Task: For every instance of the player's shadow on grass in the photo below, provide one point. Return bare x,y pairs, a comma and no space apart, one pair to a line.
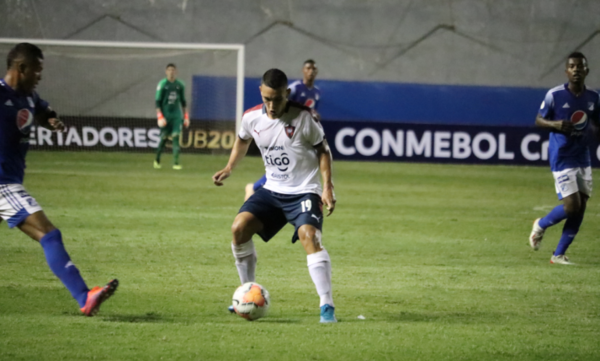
449,317
149,317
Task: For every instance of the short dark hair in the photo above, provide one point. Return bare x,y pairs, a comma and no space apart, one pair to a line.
575,55
309,61
275,78
171,65
23,50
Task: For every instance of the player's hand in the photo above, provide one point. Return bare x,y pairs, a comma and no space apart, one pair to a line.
564,126
186,120
328,199
56,124
220,176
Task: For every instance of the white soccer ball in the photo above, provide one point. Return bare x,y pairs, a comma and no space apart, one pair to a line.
251,301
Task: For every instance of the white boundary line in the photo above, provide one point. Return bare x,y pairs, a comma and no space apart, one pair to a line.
240,48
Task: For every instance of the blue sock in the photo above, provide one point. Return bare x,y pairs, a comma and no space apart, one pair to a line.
569,232
555,216
60,263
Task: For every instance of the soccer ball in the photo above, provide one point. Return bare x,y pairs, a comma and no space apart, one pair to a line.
251,301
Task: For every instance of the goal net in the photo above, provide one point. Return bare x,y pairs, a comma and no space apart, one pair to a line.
105,93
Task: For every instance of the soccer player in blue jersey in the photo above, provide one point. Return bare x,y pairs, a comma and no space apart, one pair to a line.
19,106
567,111
304,92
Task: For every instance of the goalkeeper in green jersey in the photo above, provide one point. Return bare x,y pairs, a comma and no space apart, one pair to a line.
171,112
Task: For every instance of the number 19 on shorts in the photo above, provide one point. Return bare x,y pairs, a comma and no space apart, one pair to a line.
306,205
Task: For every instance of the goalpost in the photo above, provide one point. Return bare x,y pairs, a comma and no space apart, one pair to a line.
104,91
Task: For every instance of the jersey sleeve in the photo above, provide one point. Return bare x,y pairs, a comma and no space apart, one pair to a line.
313,131
182,95
293,91
547,108
40,104
245,132
159,93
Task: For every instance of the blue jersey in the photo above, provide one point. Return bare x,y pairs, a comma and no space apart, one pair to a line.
16,118
304,95
570,151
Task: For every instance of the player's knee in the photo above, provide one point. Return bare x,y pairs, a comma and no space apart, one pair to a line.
239,230
310,237
574,209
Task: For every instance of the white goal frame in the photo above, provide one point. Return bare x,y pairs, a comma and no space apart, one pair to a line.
240,48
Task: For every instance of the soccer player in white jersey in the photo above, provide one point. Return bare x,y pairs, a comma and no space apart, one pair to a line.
294,151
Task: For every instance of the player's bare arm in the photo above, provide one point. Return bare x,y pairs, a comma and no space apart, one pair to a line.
240,148
325,165
558,125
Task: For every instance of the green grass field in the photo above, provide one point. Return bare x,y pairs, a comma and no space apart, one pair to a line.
435,257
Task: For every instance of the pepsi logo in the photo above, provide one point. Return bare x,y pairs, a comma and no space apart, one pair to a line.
579,119
309,103
24,120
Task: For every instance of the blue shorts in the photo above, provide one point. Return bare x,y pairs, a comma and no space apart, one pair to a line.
260,183
275,210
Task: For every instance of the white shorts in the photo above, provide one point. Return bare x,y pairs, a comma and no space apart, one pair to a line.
573,180
16,204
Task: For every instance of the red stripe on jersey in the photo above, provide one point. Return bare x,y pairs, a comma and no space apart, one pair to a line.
259,106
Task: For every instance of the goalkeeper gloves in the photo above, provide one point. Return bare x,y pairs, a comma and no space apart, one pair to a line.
186,120
161,119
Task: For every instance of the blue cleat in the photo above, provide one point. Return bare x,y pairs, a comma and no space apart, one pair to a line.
230,309
328,314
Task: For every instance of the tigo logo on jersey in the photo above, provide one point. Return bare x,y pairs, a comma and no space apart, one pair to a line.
24,120
579,119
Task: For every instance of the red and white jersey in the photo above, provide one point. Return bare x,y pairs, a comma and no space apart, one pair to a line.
287,146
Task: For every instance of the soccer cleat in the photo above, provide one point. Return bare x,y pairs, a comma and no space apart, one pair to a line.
97,295
177,167
560,259
328,314
157,165
537,233
231,309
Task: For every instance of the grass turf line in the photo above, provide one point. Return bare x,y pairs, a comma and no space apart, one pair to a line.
434,256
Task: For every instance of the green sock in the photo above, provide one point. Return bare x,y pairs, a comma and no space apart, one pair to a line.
176,149
159,149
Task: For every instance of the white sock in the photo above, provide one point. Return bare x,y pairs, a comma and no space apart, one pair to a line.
245,261
319,267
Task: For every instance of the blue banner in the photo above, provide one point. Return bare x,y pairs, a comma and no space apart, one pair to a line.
406,142
213,98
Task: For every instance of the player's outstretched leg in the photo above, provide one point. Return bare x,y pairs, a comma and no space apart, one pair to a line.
555,216
38,227
176,150
319,267
61,265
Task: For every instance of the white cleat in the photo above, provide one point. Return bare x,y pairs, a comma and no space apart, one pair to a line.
537,233
561,259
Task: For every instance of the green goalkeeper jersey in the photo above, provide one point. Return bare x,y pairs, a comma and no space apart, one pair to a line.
170,97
